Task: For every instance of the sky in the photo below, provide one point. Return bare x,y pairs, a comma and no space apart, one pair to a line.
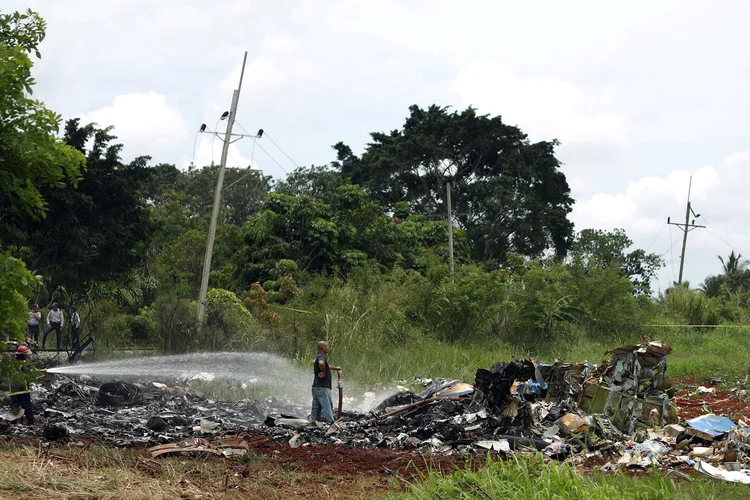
642,95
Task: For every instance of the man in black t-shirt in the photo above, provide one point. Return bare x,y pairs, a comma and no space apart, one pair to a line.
322,401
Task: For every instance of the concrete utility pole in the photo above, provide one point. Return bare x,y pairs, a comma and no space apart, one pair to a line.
450,227
686,228
217,199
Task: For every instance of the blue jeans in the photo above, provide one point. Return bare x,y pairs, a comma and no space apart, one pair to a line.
322,404
23,401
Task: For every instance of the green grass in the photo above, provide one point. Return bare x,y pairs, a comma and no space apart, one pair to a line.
702,354
530,477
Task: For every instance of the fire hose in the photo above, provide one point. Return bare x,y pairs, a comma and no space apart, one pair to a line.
341,395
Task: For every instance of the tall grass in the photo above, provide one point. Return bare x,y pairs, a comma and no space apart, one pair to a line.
701,354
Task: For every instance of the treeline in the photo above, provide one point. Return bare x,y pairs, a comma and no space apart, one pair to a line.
355,251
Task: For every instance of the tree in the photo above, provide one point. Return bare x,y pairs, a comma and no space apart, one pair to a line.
31,156
735,278
597,249
734,263
96,230
342,227
508,193
243,192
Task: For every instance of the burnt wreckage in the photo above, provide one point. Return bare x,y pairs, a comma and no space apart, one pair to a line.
619,414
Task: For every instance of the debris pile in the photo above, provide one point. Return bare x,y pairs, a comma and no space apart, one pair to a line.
620,414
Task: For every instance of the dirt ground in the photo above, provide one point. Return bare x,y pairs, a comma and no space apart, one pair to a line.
29,469
690,404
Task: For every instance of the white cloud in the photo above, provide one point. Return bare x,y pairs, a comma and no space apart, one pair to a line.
717,195
144,123
737,158
544,107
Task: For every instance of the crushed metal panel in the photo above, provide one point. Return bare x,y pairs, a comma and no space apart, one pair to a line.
652,353
740,476
594,398
709,426
653,412
455,390
11,416
618,407
621,409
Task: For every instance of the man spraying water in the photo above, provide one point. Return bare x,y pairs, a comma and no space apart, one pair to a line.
322,400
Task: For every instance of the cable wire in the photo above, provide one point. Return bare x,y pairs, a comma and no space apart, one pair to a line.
657,235
718,234
265,134
262,148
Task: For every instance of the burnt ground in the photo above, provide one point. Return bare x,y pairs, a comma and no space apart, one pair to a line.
352,461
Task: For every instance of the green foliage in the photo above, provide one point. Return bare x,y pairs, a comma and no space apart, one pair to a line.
596,249
692,307
177,325
508,193
343,228
260,308
31,157
226,314
733,284
129,294
97,230
16,284
533,477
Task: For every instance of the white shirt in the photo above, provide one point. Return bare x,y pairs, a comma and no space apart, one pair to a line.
35,317
75,320
55,317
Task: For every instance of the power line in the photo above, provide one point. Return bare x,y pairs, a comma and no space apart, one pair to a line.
686,228
263,149
657,235
279,148
733,247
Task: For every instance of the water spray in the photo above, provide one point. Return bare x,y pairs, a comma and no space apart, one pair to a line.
273,375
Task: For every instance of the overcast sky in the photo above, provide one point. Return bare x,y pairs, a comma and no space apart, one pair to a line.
641,94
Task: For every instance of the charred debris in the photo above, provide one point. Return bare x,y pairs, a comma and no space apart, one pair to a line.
620,414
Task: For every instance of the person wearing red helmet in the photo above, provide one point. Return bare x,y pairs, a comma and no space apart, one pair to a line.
20,395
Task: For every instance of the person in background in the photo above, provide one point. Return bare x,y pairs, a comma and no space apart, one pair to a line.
322,401
20,395
35,319
54,322
75,328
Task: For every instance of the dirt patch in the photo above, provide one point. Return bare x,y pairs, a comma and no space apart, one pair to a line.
691,404
351,461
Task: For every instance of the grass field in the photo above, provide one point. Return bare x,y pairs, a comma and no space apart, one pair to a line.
534,479
703,354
